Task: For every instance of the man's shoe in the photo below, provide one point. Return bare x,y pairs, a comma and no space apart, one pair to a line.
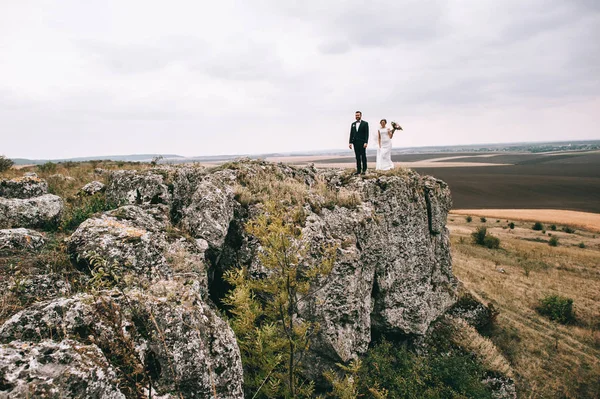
364,172
356,173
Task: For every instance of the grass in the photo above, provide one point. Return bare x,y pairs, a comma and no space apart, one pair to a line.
549,359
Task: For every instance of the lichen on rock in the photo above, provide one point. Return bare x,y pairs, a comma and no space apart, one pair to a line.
49,369
41,211
23,187
20,239
175,340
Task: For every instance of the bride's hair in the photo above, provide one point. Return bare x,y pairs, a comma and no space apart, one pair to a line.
383,120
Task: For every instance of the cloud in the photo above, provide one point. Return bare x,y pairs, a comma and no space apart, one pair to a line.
268,76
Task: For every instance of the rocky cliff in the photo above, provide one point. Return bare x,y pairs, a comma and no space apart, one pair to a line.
148,321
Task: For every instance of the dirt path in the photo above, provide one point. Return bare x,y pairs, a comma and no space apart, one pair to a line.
584,220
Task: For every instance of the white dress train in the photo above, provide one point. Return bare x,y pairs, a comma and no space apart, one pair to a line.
384,154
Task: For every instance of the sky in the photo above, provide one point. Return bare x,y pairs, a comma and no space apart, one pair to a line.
85,78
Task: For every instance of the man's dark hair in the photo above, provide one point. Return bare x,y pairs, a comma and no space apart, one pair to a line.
358,112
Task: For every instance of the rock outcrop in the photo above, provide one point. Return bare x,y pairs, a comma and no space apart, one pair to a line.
49,369
166,333
92,188
23,187
20,239
180,228
25,202
39,211
131,187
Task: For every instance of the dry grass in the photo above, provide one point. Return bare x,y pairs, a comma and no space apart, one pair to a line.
550,360
583,220
485,350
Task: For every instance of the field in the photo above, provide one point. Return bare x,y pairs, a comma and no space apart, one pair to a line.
566,181
550,360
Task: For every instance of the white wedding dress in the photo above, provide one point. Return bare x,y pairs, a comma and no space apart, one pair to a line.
384,154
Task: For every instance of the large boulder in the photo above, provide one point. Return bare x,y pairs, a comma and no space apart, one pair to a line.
133,243
210,210
49,369
39,211
168,331
92,188
133,187
128,239
20,239
409,244
23,187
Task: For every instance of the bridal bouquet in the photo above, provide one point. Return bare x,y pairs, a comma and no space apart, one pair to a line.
396,126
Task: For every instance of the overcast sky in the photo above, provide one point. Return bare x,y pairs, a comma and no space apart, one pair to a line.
82,78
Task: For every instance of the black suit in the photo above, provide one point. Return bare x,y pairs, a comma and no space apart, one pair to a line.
358,139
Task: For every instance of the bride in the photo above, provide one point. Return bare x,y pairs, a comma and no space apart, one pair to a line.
384,152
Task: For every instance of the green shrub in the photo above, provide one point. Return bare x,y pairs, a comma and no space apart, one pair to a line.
538,226
404,374
568,230
483,220
82,209
469,219
553,227
553,241
582,245
48,167
5,163
481,237
511,225
557,308
491,242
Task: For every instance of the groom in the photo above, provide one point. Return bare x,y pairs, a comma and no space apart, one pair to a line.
359,137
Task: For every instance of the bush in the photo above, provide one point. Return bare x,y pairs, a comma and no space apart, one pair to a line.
48,167
469,219
5,163
400,373
83,209
557,308
553,241
483,220
553,227
538,226
511,225
582,245
568,230
481,237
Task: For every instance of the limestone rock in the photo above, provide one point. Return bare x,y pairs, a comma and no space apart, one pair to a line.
502,387
127,240
132,242
410,246
37,285
49,369
132,187
210,212
23,187
473,312
92,188
182,343
20,239
32,212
